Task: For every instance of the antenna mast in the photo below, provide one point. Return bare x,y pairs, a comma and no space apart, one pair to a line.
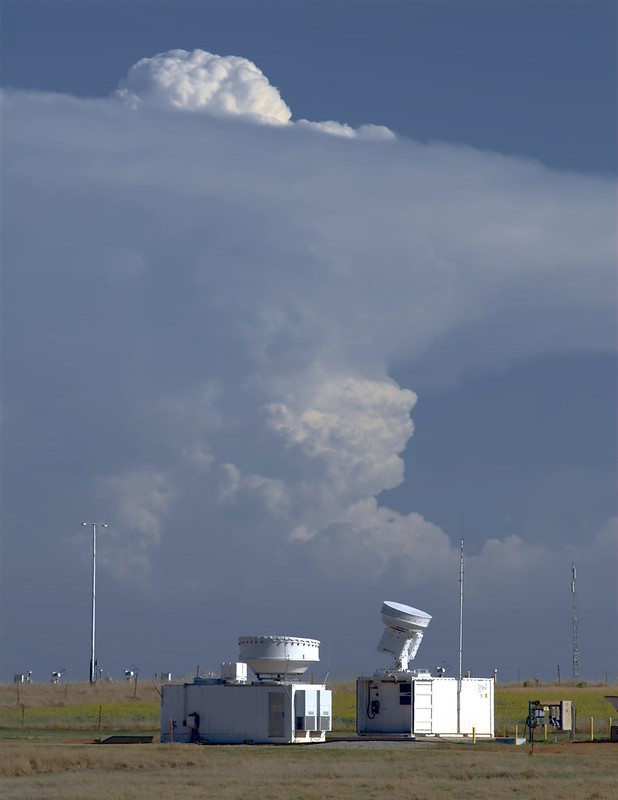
461,594
461,599
575,621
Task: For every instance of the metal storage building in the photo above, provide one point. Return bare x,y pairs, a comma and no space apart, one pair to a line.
422,704
276,708
404,702
218,712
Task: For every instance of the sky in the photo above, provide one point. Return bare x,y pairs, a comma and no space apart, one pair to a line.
295,296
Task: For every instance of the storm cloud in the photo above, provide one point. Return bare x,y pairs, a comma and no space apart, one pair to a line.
205,301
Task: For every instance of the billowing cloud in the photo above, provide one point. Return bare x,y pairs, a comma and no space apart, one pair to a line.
347,131
205,315
140,498
344,420
221,85
199,80
381,543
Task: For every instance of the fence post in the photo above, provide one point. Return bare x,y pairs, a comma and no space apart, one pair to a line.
592,729
516,733
473,735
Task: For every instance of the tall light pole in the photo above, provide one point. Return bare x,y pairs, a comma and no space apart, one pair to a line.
93,660
575,622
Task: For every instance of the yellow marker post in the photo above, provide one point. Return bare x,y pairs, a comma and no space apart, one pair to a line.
592,729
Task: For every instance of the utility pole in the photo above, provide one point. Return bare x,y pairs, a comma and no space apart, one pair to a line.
93,659
575,621
461,604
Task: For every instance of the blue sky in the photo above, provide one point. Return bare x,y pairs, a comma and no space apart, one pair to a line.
532,78
509,348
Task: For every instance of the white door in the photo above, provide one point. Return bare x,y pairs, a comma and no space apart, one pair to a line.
423,704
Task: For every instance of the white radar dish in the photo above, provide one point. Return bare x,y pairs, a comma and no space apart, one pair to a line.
278,657
403,632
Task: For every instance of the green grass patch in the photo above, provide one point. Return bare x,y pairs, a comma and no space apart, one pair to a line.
511,703
79,707
106,716
344,708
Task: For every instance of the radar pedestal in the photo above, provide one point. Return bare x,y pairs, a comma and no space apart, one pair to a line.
403,633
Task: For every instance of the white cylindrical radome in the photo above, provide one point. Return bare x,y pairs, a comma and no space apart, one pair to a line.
278,656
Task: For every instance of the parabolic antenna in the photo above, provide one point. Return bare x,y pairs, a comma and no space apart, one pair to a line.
403,631
278,656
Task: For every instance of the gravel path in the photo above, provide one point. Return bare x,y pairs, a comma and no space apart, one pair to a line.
376,744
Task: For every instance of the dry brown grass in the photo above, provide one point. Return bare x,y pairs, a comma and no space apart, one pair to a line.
49,695
98,708
409,772
43,768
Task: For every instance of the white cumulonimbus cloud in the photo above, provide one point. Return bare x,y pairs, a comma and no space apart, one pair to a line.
203,81
221,85
242,292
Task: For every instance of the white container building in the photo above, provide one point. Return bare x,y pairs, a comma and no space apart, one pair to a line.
276,708
404,702
424,705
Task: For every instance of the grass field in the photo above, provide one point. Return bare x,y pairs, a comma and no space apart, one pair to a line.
122,707
47,751
411,772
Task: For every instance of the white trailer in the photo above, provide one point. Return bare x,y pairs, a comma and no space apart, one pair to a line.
415,704
277,708
216,711
404,702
